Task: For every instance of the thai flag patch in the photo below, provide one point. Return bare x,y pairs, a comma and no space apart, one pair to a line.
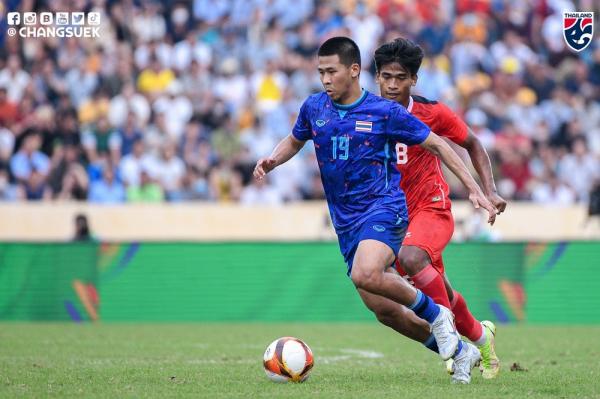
362,126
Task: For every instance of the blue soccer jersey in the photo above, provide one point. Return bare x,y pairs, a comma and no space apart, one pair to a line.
354,145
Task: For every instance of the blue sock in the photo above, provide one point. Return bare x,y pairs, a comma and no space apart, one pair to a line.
431,344
424,307
458,348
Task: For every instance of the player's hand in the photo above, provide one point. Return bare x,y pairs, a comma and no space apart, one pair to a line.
264,166
479,200
497,201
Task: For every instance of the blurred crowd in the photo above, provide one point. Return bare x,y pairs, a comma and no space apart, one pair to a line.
177,100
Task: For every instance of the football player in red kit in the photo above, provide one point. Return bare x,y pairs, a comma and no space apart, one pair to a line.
430,219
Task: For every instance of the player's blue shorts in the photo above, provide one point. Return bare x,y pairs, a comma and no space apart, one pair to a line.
386,227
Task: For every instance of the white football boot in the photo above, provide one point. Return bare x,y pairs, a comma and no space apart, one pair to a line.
464,361
445,333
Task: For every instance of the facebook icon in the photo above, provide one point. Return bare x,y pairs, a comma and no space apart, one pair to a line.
13,18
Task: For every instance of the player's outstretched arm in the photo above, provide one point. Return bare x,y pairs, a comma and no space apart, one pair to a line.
286,149
440,148
481,162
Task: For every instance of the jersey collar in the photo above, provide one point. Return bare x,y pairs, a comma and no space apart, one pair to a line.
354,104
410,104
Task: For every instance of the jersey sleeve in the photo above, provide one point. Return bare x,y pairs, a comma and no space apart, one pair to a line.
449,125
302,129
405,128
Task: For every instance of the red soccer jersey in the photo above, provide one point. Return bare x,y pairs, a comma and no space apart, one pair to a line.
422,179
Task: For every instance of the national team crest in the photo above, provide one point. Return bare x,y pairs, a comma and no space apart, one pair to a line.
578,29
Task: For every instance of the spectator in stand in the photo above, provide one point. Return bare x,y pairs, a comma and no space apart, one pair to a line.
176,107
14,79
225,182
155,79
147,191
127,135
9,111
30,167
7,144
169,170
579,169
8,191
108,190
81,83
551,191
126,103
194,186
259,192
68,179
100,140
131,165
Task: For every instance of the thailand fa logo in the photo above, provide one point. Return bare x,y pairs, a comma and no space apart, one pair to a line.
578,29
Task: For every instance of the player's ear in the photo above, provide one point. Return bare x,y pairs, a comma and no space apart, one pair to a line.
415,77
355,71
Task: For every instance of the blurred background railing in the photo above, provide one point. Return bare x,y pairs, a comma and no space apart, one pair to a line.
301,221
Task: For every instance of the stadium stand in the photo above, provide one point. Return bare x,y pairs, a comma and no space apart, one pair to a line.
178,100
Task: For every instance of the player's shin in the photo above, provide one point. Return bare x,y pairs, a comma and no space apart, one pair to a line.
431,282
442,324
466,324
431,344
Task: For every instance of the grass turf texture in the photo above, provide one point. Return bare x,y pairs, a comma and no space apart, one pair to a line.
225,361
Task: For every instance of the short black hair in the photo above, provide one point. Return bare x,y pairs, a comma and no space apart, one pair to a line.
403,51
343,47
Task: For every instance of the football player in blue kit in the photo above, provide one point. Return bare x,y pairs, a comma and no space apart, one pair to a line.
354,133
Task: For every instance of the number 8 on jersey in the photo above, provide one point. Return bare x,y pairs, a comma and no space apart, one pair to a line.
401,153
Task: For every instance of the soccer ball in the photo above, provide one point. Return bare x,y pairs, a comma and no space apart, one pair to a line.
288,359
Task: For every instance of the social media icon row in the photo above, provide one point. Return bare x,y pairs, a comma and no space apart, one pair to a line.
48,18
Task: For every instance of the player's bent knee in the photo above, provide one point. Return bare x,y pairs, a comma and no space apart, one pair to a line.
366,278
413,260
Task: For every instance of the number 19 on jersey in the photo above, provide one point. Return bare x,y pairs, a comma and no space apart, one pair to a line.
340,147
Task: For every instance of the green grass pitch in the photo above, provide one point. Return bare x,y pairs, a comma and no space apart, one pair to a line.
360,360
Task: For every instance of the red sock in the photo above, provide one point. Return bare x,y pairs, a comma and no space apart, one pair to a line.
430,281
466,324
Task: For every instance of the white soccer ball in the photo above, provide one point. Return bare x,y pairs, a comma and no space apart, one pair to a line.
288,359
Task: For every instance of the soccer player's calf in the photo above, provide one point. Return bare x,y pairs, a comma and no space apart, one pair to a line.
429,231
405,322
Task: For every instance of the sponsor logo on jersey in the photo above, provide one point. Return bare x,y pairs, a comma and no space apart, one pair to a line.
437,198
320,122
578,29
378,228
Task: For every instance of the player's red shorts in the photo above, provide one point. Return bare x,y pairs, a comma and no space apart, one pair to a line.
431,230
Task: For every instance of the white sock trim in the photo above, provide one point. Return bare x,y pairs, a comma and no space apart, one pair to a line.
483,337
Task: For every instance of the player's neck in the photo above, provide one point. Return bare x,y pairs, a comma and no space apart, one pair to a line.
352,96
405,101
